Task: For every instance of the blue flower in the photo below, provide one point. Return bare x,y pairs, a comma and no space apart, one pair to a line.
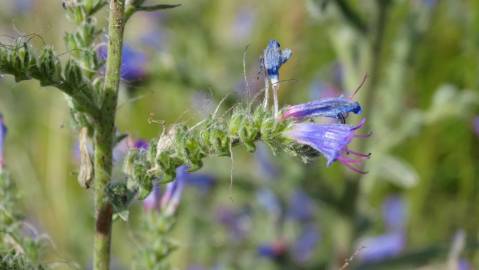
331,140
381,247
274,58
263,157
152,202
237,222
301,207
172,196
3,134
464,265
303,248
475,124
269,201
133,62
328,107
394,213
273,251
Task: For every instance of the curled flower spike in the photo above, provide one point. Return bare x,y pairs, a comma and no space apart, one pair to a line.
331,140
329,107
273,59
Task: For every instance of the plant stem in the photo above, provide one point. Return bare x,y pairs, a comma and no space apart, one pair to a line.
104,134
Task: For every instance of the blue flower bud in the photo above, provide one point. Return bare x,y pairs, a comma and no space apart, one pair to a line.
329,107
274,58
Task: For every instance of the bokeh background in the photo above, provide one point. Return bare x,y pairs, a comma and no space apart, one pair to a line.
418,206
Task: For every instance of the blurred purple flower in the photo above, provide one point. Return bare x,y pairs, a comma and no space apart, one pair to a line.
331,140
236,222
243,24
381,247
273,250
152,202
475,123
464,265
265,162
394,213
269,201
196,267
155,39
3,134
23,6
337,107
303,248
171,198
430,3
133,62
301,207
140,144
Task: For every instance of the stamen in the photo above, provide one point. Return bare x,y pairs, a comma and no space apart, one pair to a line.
358,153
360,86
363,136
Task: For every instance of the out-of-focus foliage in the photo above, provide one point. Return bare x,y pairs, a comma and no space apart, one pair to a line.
265,211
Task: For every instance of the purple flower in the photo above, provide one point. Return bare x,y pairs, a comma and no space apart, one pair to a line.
338,107
331,140
475,123
394,213
243,24
152,202
133,62
269,201
274,58
3,134
274,250
301,207
463,265
303,248
140,144
171,198
236,222
266,165
382,247
24,5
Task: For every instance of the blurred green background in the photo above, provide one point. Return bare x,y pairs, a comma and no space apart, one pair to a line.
420,100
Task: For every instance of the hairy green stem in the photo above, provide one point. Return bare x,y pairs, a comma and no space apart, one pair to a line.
104,136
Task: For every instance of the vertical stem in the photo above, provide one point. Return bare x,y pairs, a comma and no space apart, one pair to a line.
375,58
104,135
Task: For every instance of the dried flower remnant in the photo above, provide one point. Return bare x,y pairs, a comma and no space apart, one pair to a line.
331,140
273,59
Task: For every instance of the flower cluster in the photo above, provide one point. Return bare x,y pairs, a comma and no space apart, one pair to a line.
292,131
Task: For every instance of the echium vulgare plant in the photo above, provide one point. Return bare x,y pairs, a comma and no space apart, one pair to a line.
90,83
